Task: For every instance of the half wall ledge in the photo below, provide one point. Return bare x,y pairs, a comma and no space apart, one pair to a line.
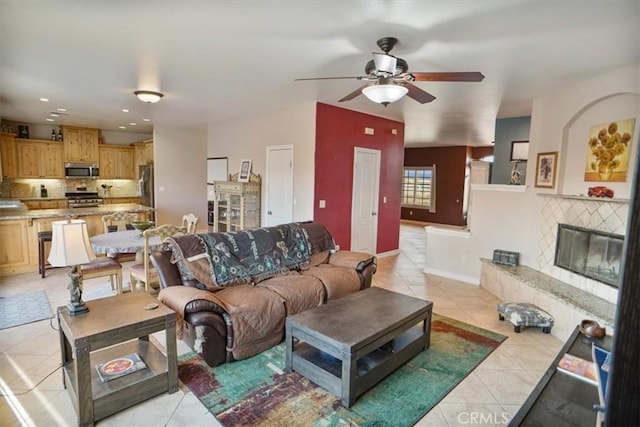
567,304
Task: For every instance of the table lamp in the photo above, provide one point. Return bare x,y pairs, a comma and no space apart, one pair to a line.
70,247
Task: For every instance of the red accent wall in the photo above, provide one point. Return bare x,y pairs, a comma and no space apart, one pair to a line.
450,172
338,132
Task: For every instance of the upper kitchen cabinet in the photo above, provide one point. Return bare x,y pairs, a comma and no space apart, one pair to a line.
143,152
8,155
38,159
116,162
80,144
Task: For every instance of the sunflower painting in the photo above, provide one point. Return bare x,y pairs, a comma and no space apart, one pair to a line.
608,151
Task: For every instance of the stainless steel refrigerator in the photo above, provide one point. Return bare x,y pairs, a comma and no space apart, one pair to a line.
145,186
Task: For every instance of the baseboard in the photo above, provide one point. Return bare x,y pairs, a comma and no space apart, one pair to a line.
389,253
450,275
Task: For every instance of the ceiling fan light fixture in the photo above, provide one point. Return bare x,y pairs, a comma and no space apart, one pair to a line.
148,96
385,94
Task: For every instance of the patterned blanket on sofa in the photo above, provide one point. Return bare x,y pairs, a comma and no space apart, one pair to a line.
249,256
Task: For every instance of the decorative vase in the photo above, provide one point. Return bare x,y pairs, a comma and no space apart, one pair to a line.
604,172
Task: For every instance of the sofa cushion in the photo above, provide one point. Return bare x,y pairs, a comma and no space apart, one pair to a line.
337,281
299,292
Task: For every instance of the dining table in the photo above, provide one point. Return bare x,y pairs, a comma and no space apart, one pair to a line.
127,241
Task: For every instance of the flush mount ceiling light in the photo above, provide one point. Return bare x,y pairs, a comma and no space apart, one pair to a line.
148,96
385,94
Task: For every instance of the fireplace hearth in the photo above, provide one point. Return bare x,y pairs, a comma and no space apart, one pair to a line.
590,253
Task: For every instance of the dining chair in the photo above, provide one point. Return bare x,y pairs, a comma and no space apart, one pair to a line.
101,267
120,221
144,271
190,222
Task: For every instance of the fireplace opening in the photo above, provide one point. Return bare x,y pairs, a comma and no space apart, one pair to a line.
590,253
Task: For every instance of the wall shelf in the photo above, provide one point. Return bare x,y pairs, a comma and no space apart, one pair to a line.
583,197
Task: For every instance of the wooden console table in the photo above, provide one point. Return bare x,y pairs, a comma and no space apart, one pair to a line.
560,399
89,339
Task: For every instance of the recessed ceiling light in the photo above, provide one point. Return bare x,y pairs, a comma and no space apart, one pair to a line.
124,110
50,120
61,109
132,124
146,120
54,114
122,127
44,100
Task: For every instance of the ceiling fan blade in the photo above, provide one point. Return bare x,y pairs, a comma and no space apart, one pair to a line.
353,94
386,63
418,94
468,76
331,78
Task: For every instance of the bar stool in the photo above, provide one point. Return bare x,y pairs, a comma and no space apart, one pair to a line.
43,236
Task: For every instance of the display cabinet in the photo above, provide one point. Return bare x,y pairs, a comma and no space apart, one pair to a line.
237,204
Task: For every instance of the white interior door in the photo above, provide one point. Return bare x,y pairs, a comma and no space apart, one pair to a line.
364,207
279,185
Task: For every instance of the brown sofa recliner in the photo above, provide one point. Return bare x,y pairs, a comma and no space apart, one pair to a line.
232,322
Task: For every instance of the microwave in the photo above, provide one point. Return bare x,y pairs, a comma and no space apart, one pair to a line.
81,170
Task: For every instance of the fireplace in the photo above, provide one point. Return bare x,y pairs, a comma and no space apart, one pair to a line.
590,253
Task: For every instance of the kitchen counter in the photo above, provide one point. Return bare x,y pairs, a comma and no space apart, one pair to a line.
13,214
19,230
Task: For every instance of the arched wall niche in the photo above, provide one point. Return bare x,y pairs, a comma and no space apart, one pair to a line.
575,135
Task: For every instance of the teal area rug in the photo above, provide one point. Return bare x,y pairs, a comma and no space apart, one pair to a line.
255,391
16,310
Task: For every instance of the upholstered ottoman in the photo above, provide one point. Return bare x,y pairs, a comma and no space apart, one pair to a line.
525,314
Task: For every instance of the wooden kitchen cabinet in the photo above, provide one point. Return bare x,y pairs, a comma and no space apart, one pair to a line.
46,204
14,246
80,144
8,155
143,154
118,200
40,159
116,162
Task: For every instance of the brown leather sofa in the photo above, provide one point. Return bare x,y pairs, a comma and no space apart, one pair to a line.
229,322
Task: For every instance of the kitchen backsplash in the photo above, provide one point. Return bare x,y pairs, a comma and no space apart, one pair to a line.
28,188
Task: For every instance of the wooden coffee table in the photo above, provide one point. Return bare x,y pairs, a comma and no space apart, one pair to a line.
348,345
114,327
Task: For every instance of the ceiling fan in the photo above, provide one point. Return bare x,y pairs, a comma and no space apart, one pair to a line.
389,80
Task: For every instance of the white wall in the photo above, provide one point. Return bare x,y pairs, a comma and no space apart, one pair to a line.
249,137
514,224
180,172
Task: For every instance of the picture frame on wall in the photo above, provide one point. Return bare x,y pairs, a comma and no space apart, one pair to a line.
245,170
546,169
519,151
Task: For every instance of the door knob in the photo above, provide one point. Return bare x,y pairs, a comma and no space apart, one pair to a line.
269,213
374,213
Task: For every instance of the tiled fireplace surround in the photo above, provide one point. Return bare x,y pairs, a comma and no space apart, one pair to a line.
568,296
607,215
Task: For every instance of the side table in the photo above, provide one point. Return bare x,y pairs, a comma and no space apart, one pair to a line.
114,327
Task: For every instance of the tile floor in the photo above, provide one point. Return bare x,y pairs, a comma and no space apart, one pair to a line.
31,384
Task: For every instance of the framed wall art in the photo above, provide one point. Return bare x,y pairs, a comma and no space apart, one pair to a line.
608,150
546,169
245,170
519,151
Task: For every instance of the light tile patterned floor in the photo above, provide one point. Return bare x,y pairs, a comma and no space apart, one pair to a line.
30,378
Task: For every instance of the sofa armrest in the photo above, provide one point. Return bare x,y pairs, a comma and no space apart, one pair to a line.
356,260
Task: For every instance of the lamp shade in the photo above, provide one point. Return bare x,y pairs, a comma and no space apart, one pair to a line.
385,94
70,243
148,96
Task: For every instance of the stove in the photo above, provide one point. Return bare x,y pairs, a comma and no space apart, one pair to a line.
83,199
